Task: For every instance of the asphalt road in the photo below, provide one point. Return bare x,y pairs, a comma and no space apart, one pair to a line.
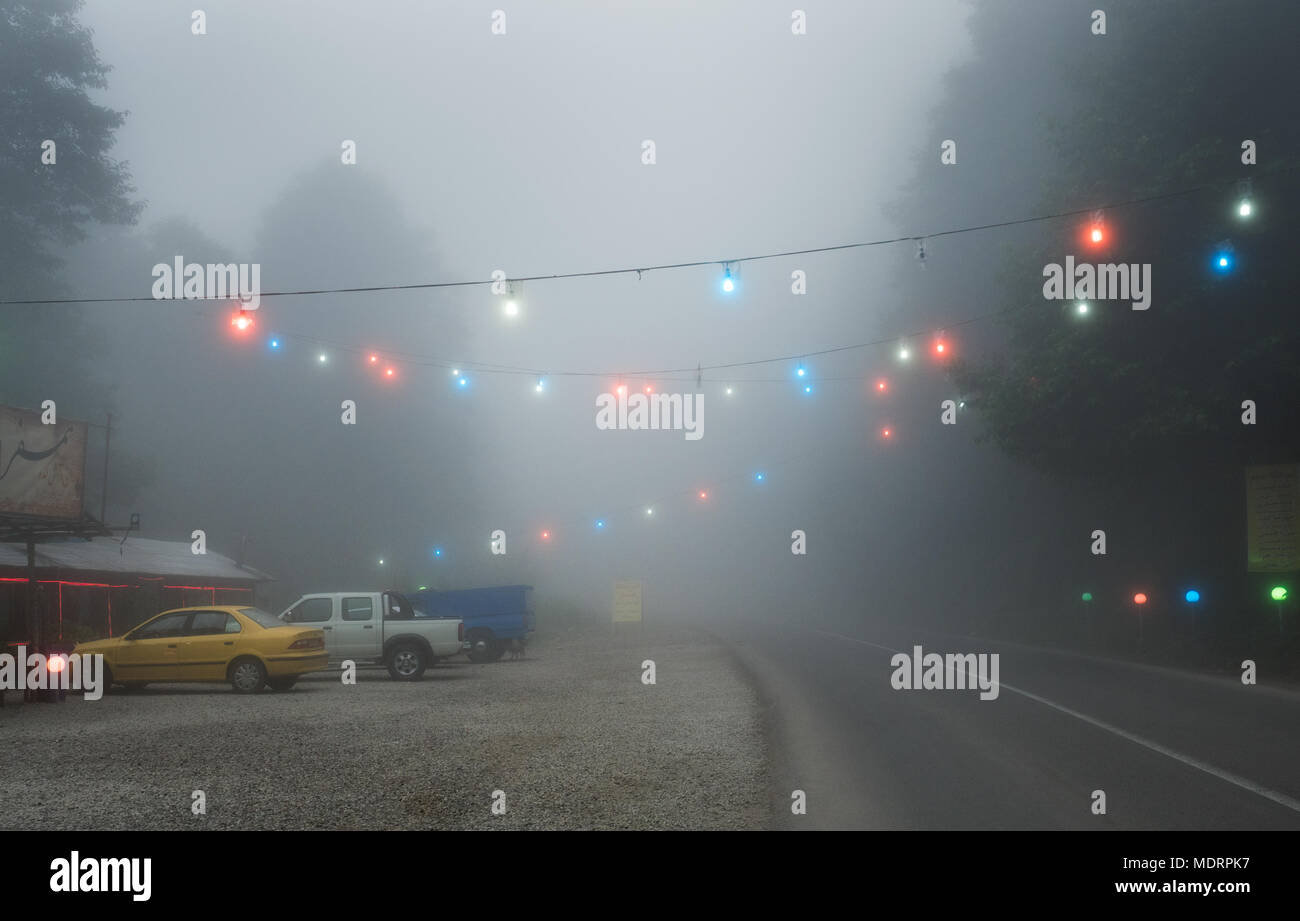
1171,750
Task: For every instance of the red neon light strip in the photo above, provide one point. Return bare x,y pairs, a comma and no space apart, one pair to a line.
205,588
198,588
63,582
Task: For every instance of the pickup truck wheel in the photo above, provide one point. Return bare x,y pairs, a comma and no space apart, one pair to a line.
406,662
484,647
247,676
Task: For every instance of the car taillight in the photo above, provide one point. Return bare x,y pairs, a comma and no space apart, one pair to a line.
311,642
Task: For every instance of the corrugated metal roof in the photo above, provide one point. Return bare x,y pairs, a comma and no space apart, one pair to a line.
137,554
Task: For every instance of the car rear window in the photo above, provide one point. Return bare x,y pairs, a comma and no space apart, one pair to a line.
261,618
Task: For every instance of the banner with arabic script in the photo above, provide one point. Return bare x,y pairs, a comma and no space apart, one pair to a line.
42,466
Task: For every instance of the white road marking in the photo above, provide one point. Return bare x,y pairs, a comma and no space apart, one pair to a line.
1249,785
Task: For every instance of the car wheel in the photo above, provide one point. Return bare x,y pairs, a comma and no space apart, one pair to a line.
247,676
484,647
406,662
281,684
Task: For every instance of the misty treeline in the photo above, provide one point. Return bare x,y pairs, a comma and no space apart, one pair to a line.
1126,421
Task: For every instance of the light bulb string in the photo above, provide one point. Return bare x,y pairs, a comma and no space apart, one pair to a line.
667,266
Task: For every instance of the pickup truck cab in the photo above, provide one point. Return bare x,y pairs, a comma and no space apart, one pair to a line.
378,627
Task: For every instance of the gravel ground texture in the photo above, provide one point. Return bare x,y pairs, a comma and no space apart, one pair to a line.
569,734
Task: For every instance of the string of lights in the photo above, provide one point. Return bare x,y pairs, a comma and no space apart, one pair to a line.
728,284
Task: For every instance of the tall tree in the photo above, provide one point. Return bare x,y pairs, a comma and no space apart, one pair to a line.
1175,88
48,65
50,192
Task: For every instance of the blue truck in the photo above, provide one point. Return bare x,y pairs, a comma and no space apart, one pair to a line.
493,617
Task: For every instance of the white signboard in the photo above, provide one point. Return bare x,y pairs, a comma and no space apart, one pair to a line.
42,467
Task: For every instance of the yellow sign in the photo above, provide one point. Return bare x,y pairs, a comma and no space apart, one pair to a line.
627,602
1273,518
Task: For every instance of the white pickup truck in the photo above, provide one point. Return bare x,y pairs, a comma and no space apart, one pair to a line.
378,627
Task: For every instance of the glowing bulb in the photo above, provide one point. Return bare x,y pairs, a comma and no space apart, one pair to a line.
1278,593
904,353
374,358
512,309
1223,257
807,388
1244,208
800,371
703,494
322,358
729,391
759,477
389,372
1086,596
1140,598
600,524
649,511
1082,307
1096,235
886,433
275,343
1192,596
728,283
541,385
546,535
462,382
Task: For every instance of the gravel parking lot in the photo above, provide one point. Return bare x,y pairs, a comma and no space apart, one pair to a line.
569,733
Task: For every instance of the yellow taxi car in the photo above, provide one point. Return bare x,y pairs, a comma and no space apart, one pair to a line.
245,646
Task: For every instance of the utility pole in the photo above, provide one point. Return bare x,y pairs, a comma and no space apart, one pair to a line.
103,493
33,617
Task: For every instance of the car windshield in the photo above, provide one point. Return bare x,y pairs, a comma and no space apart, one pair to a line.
261,618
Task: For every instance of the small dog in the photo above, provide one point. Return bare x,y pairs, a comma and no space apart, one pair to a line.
516,647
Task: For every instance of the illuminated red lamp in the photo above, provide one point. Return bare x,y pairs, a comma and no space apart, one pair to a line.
621,389
374,359
546,535
1096,230
941,348
886,433
881,386
649,389
1140,598
703,494
389,372
241,321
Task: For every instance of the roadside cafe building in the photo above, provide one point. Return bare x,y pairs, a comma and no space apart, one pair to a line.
100,587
